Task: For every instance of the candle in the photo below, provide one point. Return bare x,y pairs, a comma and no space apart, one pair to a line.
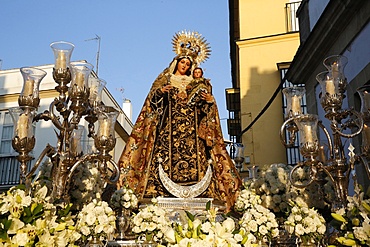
105,128
335,70
93,93
28,87
322,154
366,134
296,104
366,101
61,61
22,126
75,145
80,80
330,88
308,133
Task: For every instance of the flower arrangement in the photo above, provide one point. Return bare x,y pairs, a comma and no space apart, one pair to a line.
124,198
272,186
151,222
256,219
312,195
276,191
261,222
353,223
246,199
198,232
86,185
305,223
205,230
96,220
31,220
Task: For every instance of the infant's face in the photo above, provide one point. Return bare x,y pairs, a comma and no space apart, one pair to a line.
197,73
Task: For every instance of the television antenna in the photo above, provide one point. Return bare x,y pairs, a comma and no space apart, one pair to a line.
98,52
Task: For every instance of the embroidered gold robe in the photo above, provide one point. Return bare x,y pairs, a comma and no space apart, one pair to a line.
183,133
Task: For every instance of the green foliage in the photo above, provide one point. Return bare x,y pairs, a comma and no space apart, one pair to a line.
4,227
190,215
31,214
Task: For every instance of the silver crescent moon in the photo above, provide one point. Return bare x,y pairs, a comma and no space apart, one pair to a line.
185,191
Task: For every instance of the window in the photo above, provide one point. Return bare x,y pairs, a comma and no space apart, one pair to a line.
292,23
9,165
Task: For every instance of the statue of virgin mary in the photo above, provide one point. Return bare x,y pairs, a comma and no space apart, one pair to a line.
177,139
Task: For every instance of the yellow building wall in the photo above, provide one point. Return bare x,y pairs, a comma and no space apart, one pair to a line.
259,18
263,43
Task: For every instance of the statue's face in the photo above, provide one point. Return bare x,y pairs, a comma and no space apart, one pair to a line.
183,66
197,73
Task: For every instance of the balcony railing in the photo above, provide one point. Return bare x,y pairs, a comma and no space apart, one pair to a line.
9,172
292,24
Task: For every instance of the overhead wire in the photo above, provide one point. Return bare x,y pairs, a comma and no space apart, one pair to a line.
278,89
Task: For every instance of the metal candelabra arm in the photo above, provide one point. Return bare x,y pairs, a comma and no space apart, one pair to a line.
61,108
302,185
102,170
328,138
358,123
116,172
48,151
292,129
365,163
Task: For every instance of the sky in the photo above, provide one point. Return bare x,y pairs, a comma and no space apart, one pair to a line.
135,40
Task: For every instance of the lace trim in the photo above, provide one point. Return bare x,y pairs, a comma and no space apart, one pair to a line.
180,81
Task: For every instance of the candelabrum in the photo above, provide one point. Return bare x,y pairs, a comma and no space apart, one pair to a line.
331,162
79,97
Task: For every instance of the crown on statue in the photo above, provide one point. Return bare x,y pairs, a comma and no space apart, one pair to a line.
191,44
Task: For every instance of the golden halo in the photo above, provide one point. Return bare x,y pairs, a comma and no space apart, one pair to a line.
186,43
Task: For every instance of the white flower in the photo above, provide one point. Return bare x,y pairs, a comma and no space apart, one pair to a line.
124,198
96,219
44,231
305,222
259,221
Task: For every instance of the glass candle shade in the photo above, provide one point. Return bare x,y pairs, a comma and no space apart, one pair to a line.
328,84
294,97
80,75
96,86
307,126
239,154
107,120
335,65
22,120
62,54
75,146
29,95
364,93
